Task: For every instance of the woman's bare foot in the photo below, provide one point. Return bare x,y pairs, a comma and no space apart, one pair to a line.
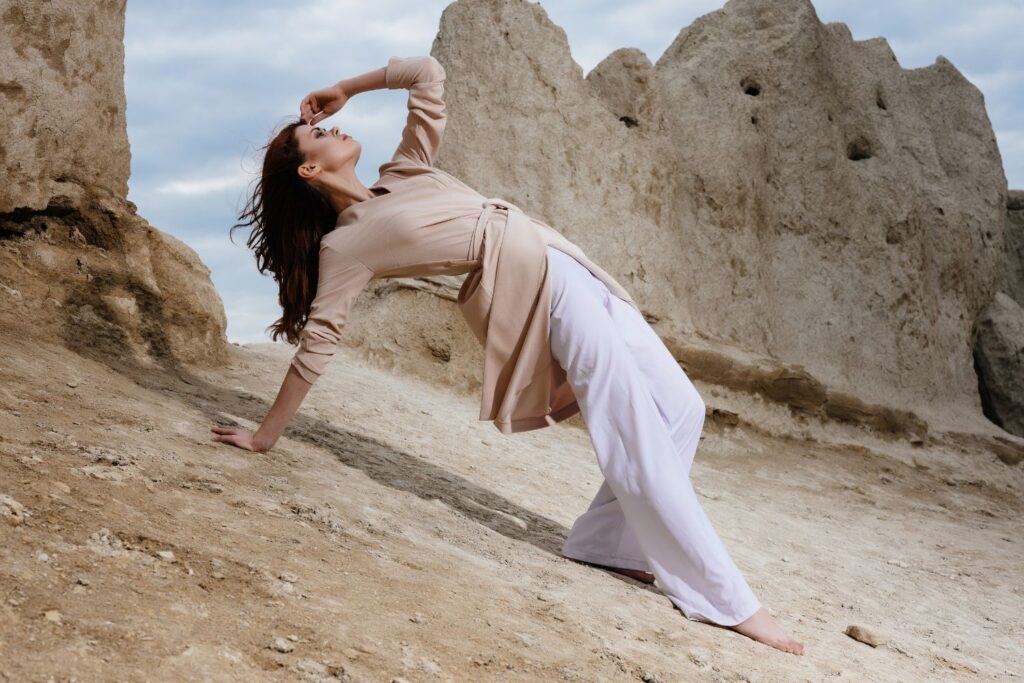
763,628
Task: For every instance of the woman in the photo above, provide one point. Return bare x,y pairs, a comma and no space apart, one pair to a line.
560,335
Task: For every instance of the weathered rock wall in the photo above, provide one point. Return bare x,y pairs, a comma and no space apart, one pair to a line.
1014,285
76,261
62,86
799,216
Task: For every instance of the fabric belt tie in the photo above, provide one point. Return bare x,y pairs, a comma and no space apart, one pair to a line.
489,205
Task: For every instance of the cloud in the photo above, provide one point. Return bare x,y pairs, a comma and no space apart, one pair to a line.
187,187
287,35
207,83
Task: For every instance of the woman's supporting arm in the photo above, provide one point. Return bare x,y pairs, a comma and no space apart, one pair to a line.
289,397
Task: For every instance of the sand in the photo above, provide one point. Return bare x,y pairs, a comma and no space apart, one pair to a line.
392,536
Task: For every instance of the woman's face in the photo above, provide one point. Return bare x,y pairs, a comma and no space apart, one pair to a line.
330,149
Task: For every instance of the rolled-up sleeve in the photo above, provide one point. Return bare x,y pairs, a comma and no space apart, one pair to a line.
424,127
340,281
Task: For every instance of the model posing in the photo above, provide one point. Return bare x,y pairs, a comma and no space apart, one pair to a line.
560,335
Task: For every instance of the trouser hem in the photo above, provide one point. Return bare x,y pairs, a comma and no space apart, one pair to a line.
606,560
719,618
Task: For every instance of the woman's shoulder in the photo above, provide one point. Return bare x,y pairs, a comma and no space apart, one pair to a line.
393,172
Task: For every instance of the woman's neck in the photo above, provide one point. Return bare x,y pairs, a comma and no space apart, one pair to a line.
343,191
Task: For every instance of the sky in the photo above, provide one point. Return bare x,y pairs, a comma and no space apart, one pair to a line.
208,83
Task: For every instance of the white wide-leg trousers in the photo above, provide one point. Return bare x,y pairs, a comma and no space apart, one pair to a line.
644,417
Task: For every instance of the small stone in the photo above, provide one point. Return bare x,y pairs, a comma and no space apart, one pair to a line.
11,510
218,575
54,616
282,645
294,638
42,557
289,577
314,669
699,657
82,580
863,635
166,555
62,487
72,383
416,618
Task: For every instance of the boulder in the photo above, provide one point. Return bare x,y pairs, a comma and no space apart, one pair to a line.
77,263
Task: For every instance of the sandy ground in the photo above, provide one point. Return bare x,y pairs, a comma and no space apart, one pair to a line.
392,536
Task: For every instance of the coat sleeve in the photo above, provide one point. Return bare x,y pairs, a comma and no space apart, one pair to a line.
424,127
341,279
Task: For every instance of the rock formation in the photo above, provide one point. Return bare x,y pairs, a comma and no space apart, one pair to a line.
800,217
1000,359
76,261
1014,272
804,221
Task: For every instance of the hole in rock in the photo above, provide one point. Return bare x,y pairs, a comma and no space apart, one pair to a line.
750,87
858,149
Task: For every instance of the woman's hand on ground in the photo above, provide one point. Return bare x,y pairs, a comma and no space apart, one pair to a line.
319,104
242,438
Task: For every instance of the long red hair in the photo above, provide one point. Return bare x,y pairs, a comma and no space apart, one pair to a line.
288,218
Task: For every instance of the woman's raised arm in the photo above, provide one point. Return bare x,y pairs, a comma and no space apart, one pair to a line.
319,104
424,127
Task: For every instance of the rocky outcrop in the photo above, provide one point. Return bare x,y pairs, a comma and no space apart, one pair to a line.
76,261
1014,285
773,192
622,83
801,219
999,354
62,89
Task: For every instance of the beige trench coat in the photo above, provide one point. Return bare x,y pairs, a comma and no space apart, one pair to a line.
424,221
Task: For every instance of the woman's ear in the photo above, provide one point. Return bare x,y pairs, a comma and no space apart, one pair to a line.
309,171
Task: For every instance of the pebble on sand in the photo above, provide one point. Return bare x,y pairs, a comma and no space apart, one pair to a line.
11,510
282,645
863,635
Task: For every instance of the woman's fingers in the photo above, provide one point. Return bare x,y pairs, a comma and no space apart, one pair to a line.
226,434
233,435
318,105
306,108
